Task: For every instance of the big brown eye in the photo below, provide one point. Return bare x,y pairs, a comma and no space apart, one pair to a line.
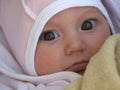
48,35
88,25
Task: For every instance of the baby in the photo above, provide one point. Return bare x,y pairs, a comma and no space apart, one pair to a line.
65,34
70,39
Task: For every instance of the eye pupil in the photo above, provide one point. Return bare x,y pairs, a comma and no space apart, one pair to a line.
87,25
49,35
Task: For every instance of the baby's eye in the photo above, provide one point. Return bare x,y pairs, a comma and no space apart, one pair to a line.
88,24
48,35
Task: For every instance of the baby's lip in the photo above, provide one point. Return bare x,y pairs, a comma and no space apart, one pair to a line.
78,67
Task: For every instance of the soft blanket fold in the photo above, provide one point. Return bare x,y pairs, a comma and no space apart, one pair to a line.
12,77
103,71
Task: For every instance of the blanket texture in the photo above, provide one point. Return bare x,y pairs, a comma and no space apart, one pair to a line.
103,70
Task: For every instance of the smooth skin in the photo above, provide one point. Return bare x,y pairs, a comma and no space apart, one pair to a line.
70,39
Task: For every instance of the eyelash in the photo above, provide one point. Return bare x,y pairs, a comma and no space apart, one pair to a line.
88,24
49,35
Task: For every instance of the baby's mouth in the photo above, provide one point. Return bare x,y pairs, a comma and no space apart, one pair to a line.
78,67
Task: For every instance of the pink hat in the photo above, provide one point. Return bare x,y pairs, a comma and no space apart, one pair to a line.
17,25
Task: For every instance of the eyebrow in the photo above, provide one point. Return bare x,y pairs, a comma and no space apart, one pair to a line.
91,12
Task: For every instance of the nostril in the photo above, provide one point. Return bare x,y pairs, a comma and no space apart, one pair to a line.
74,48
67,50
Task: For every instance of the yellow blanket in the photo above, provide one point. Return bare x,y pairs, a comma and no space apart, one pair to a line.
103,71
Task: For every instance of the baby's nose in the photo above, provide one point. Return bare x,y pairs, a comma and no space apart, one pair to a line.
74,45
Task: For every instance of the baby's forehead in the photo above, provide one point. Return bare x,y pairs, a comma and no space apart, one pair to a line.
81,12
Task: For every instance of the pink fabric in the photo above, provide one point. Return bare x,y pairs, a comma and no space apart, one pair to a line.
32,10
16,22
17,19
12,77
17,26
113,8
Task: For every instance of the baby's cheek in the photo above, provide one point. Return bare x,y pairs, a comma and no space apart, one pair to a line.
47,65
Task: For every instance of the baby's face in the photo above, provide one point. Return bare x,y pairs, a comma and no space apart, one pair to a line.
70,39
